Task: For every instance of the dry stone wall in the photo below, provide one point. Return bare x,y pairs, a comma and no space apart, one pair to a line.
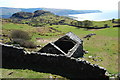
76,69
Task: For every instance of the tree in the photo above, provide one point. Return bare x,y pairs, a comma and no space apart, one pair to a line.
80,23
73,23
106,25
76,23
87,23
113,20
61,21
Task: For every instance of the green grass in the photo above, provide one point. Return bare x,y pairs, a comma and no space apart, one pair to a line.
11,26
112,32
104,45
33,31
101,23
19,73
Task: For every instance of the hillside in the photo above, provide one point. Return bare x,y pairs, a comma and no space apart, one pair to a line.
39,18
103,46
42,18
7,11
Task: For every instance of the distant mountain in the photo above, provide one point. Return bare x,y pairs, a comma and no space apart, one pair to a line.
7,11
39,18
28,15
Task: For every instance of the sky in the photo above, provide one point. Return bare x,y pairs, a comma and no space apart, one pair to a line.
63,4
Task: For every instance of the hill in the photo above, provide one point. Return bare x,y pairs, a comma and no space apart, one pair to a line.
27,15
102,48
39,18
8,11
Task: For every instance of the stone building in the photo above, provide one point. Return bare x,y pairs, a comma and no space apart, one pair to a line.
69,45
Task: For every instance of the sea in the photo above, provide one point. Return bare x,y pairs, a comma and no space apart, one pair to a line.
101,16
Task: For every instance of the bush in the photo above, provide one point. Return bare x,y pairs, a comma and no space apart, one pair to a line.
18,34
87,23
28,44
24,43
18,41
22,38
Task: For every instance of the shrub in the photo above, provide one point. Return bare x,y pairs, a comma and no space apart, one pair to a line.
18,34
87,23
22,38
28,44
105,25
24,43
18,41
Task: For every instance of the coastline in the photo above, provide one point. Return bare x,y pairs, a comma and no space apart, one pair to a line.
99,16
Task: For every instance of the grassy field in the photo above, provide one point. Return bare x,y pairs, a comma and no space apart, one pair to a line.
103,47
101,23
18,73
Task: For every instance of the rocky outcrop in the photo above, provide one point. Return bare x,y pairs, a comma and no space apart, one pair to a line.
27,15
40,12
17,58
22,15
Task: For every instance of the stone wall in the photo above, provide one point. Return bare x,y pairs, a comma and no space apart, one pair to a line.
17,58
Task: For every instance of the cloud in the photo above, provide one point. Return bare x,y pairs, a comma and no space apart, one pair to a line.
66,4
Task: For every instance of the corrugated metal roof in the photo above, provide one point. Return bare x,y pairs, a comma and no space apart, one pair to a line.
74,37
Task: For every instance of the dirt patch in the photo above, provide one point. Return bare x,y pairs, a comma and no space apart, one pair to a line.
45,41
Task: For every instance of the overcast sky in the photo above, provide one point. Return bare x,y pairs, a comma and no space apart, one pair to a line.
63,4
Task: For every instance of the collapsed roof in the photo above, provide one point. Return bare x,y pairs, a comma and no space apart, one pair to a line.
69,45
